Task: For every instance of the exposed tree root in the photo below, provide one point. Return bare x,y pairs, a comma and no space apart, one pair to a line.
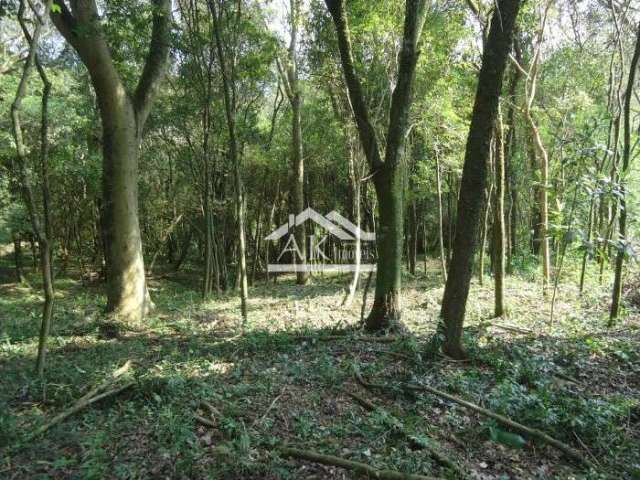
361,468
531,432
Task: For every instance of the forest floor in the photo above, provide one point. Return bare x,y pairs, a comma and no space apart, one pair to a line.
285,382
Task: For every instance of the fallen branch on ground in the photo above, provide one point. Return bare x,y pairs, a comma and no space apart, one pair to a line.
393,422
361,468
531,432
511,328
92,396
360,338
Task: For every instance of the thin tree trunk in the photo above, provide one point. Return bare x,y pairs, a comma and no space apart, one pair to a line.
443,254
498,221
39,230
542,157
626,161
17,257
355,186
228,84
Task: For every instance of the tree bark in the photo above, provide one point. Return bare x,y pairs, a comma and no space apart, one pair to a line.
626,160
474,173
228,87
387,174
123,117
42,232
498,221
443,255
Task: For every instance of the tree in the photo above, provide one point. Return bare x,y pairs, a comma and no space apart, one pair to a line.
498,220
291,85
123,115
41,226
474,173
626,161
388,173
228,88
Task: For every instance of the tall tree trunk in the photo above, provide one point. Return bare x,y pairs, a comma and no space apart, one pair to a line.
540,153
443,255
42,232
387,174
228,86
123,118
474,173
498,221
626,160
293,92
511,183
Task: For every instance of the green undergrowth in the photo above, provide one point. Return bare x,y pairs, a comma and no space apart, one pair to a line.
282,382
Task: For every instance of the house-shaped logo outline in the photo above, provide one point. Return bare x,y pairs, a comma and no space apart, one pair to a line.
333,222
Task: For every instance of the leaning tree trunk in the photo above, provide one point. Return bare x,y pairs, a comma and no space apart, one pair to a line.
626,160
474,173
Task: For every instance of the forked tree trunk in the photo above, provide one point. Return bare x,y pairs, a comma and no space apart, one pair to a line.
123,117
540,153
474,173
41,228
387,174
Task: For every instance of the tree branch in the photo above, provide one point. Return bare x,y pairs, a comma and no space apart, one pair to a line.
401,98
154,67
365,128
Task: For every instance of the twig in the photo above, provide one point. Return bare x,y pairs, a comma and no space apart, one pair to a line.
259,420
586,448
361,468
213,410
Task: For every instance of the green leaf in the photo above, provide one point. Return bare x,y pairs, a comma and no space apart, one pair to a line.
55,8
